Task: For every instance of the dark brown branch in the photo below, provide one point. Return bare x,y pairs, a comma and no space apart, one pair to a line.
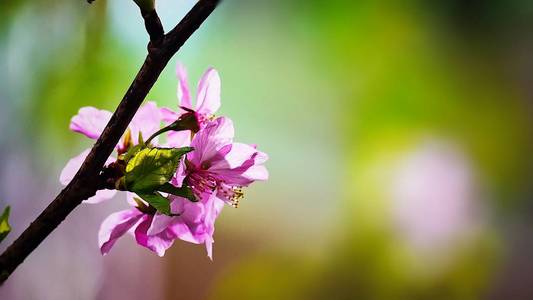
87,182
153,26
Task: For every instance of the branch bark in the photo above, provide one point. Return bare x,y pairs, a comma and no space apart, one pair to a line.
153,26
87,182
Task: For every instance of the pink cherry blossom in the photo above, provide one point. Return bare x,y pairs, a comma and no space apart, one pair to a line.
216,171
91,122
207,103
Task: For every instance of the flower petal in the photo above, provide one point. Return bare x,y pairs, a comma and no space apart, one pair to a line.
237,177
90,121
184,95
158,243
100,196
209,247
180,175
168,115
189,225
208,141
177,139
256,173
115,226
159,223
184,232
238,155
214,206
147,120
196,224
208,98
261,157
72,167
241,165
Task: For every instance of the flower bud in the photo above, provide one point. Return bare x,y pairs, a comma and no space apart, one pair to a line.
187,121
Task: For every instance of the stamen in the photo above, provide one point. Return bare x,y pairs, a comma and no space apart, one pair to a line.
204,182
238,194
201,183
233,194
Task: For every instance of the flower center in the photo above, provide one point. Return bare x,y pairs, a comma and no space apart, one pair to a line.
203,182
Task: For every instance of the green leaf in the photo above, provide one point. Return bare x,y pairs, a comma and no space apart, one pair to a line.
185,192
4,224
150,168
159,202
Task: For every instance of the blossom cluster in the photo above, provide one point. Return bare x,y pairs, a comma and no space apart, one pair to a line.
210,170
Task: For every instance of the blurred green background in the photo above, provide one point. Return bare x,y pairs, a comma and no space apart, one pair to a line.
399,135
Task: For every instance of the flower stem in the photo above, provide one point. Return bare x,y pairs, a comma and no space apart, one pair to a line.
160,131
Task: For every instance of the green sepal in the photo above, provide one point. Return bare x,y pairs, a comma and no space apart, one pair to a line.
150,168
184,191
157,201
134,149
141,206
131,152
140,139
5,228
187,121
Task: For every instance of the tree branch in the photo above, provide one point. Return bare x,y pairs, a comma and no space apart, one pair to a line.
87,182
153,26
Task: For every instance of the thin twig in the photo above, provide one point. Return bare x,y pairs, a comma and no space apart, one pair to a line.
86,182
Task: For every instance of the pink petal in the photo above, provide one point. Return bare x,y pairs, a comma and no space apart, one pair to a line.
209,247
168,115
241,165
158,243
185,233
90,121
189,225
147,120
159,223
261,157
72,167
208,141
256,173
176,139
184,95
208,98
180,175
101,195
238,155
238,177
115,226
214,206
